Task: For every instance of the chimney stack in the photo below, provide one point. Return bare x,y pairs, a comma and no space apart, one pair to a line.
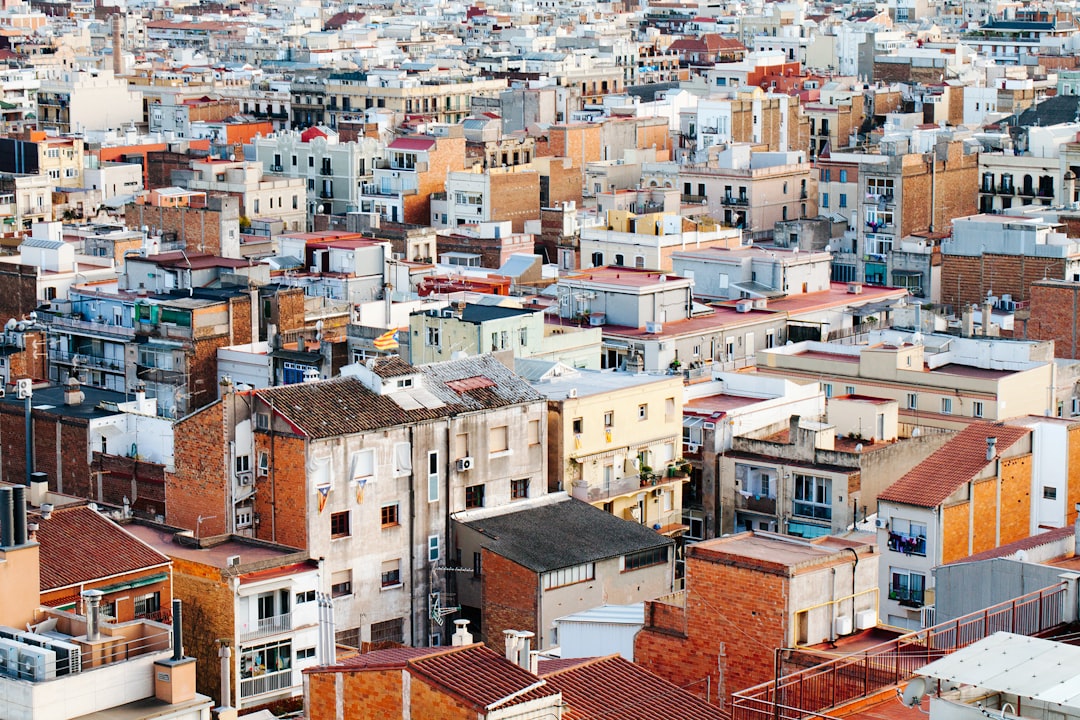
174,679
991,448
462,636
39,488
524,658
73,394
7,518
92,599
510,637
18,514
118,44
987,316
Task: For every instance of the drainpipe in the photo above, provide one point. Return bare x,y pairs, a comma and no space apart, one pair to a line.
412,545
854,568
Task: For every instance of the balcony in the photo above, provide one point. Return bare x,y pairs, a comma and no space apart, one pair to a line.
696,199
756,503
1005,189
988,188
907,544
627,485
907,597
266,683
68,322
87,361
811,511
269,626
732,200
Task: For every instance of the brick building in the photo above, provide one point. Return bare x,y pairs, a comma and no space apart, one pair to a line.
493,195
748,594
1053,313
411,170
213,228
364,471
973,494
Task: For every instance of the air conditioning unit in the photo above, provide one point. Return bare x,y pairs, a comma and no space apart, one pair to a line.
464,464
709,426
692,447
244,478
232,561
842,625
854,288
571,393
865,619
657,492
881,522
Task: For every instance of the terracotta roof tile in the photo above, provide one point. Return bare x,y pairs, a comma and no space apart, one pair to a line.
613,688
482,677
79,545
937,477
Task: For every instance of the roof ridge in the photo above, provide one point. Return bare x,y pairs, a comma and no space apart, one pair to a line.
585,662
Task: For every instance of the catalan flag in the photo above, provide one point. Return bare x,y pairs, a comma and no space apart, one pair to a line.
387,341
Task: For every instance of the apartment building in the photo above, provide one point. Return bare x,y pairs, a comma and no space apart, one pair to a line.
941,381
971,495
411,170
364,471
334,171
495,194
58,158
648,240
261,195
754,272
745,115
614,441
73,100
259,598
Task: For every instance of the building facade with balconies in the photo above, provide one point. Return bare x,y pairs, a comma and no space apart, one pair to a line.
412,168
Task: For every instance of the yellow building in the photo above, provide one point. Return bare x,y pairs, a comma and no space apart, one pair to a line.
614,441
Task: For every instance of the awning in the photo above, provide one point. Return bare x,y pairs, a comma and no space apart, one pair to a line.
137,582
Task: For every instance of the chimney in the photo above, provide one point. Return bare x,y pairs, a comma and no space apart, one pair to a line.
510,638
39,488
462,636
793,430
224,653
73,394
967,323
18,514
7,518
991,448
524,658
300,344
174,679
118,44
93,614
986,317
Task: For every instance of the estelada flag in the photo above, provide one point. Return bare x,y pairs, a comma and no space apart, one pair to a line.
387,341
324,491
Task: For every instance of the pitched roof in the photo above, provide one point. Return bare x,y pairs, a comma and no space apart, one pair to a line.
613,688
79,545
937,477
563,534
412,143
345,405
1031,542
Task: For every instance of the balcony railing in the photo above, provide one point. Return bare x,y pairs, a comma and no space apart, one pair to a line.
269,626
907,596
88,361
67,322
811,510
732,200
267,683
622,486
907,544
754,503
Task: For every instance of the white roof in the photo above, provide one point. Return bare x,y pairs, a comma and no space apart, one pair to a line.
1004,662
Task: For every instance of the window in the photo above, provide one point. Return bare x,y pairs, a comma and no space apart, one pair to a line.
826,175
597,259
569,576
534,432
849,389
578,424
305,653
341,583
461,445
813,497
912,401
432,339
907,537
643,412
477,564
261,660
843,176
619,260
843,200
824,200
348,638
519,489
907,587
1049,493
609,420
402,459
669,408
339,524
946,406
433,476
388,515
645,558
498,440
977,409
243,463
305,597
433,548
474,496
147,604
827,387
388,631
391,573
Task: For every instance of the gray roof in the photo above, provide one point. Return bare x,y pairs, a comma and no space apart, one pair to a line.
563,534
42,243
482,313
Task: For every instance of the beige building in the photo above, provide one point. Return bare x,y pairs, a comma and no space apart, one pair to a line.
86,100
439,97
615,441
938,381
647,241
261,196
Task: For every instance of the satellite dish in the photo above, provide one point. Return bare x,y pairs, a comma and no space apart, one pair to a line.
10,325
914,692
828,248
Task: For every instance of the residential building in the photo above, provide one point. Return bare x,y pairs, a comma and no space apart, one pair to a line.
467,680
258,598
261,196
439,96
835,118
18,90
59,158
439,334
753,272
752,191
330,467
334,171
75,100
553,556
509,193
780,604
647,240
943,381
412,169
175,115
205,223
488,244
971,495
610,434
25,199
81,660
746,115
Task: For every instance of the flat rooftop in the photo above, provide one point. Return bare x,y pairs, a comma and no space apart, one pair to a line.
217,556
722,403
595,382
771,550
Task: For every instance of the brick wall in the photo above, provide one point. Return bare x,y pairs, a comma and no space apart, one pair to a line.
508,599
289,311
426,701
1015,505
447,155
735,616
370,694
280,498
515,197
951,186
208,615
1072,493
18,290
955,531
197,487
143,483
1010,516
1055,315
30,361
60,450
967,280
580,143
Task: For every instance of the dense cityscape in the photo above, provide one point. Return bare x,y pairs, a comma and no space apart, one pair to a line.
525,359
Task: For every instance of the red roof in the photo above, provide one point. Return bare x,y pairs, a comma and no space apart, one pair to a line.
413,143
937,477
78,545
310,133
613,688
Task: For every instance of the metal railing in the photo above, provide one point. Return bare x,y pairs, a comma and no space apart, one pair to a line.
267,683
65,322
811,691
269,626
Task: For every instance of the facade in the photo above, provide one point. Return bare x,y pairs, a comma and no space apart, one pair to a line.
972,495
261,196
83,100
411,170
648,240
363,471
506,193
552,557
